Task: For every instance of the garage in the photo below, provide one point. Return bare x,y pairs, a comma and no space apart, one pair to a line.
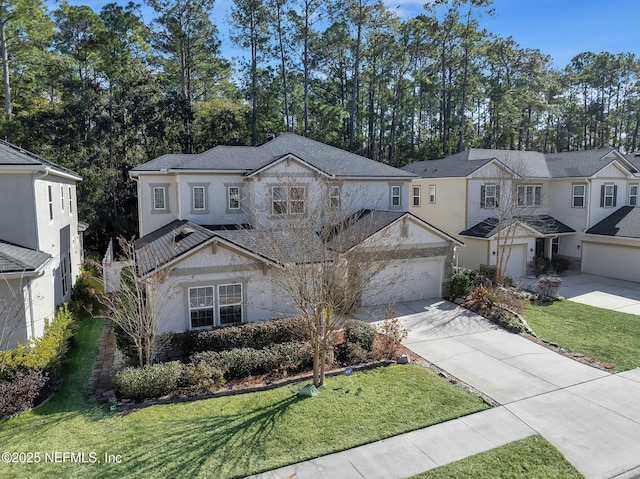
611,260
406,280
517,262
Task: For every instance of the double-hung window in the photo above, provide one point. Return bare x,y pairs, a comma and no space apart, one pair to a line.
416,195
62,198
50,197
577,199
334,197
159,198
201,307
529,195
288,200
489,195
233,197
205,311
198,198
230,303
608,195
396,196
432,194
633,195
70,202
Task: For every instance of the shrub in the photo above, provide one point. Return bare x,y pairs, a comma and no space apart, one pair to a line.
150,381
83,297
360,332
480,300
348,353
560,265
460,283
392,333
202,376
244,362
47,351
548,287
500,317
19,390
488,272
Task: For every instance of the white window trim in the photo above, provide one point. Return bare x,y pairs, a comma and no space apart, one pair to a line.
493,197
632,187
220,305
50,201
609,196
195,207
522,199
288,201
416,194
574,196
70,202
165,188
62,198
335,196
395,192
432,194
212,307
231,195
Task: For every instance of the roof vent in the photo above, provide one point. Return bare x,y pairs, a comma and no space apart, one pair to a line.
269,136
185,231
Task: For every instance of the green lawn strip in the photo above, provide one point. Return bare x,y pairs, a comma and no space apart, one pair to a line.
603,334
530,458
230,436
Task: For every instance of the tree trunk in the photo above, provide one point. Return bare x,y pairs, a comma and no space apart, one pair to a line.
5,68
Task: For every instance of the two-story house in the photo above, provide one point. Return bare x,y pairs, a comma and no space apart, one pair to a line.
40,242
204,216
580,206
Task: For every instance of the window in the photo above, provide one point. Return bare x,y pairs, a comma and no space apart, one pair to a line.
608,195
233,198
489,196
633,195
201,307
159,198
529,195
555,246
416,195
577,200
198,198
70,202
334,196
288,200
432,194
50,192
395,196
62,198
65,273
230,299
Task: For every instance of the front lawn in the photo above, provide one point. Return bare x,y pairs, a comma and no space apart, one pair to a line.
530,458
604,335
224,437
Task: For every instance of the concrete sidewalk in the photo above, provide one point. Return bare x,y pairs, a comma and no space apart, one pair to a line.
590,416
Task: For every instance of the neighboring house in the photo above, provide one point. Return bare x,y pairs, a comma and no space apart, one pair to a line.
203,215
581,206
40,242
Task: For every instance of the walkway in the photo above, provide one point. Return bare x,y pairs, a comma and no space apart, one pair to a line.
589,415
99,383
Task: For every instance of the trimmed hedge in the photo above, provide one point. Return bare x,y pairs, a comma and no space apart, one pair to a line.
150,381
181,346
244,362
19,390
360,333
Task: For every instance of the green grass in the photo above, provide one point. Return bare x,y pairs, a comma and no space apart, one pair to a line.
224,437
530,458
604,335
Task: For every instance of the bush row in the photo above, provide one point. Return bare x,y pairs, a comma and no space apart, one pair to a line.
182,346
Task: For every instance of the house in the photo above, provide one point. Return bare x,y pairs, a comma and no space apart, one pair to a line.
204,217
517,206
40,242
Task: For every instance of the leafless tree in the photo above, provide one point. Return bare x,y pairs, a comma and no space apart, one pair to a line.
135,307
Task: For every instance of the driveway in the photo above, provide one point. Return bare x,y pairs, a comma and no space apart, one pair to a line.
591,416
608,293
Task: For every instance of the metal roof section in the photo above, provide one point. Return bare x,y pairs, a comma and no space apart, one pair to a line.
623,223
543,225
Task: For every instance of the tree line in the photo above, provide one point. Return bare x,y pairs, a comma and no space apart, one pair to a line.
103,92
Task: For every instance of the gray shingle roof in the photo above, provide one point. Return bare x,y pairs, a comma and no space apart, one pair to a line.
624,222
15,258
361,226
12,155
526,163
543,224
328,159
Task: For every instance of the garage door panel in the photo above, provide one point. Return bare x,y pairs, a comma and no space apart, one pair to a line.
613,261
516,266
405,280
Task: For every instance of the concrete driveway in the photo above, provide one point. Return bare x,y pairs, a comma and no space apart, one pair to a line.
591,416
608,293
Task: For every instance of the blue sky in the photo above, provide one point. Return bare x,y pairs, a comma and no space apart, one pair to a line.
559,28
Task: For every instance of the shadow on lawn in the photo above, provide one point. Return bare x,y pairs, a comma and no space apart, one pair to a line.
218,446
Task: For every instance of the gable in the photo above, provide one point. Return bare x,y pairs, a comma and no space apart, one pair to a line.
493,170
287,166
406,232
612,170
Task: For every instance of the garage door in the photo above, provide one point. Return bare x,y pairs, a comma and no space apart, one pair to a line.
405,280
517,264
613,261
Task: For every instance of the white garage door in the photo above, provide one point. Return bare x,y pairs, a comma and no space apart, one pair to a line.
517,263
613,261
405,280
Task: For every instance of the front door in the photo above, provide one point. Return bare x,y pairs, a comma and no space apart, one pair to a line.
540,247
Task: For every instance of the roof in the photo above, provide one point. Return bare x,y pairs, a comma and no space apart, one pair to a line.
362,225
12,155
624,222
526,163
15,259
248,159
543,224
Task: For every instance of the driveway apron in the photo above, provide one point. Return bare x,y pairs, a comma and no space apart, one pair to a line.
589,415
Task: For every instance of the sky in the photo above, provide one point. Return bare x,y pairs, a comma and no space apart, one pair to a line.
559,28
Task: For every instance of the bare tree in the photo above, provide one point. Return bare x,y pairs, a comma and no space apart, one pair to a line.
327,254
135,307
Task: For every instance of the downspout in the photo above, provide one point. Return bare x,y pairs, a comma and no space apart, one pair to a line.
588,198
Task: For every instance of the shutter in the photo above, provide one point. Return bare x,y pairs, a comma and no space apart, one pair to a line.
602,196
482,188
615,194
